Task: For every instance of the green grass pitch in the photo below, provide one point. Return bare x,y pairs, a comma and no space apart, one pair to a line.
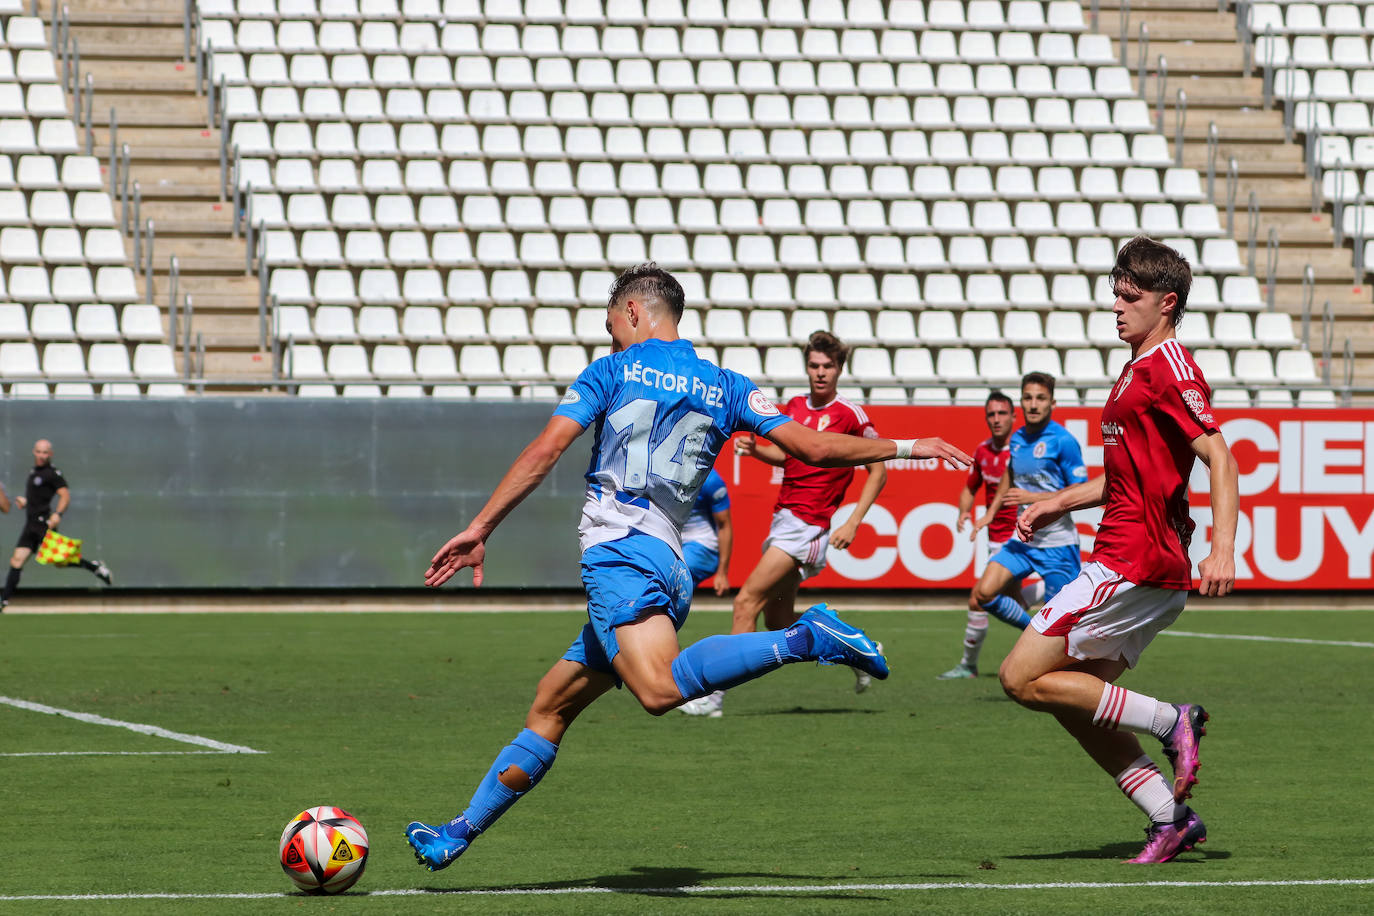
802,783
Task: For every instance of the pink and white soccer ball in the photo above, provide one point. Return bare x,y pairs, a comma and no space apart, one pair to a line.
324,850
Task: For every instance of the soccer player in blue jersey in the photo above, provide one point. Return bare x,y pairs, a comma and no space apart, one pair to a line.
660,415
708,535
1045,458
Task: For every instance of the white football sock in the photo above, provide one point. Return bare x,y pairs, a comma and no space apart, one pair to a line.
975,631
1135,712
1144,785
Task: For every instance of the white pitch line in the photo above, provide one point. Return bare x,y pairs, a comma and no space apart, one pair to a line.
707,889
153,730
118,753
1291,639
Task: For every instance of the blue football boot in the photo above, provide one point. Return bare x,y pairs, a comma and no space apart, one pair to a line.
839,643
437,847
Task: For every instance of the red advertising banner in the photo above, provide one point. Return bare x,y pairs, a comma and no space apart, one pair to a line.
1306,502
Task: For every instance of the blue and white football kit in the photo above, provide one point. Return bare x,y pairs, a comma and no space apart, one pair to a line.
661,416
1042,461
700,538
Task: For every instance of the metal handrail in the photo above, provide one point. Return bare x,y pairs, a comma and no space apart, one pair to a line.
138,211
200,360
189,307
114,138
1273,265
1288,102
1338,206
238,202
1143,46
186,31
226,128
1092,15
90,117
173,279
276,341
1348,388
1232,184
1163,78
1254,231
1357,236
1267,73
148,273
1309,290
1180,118
1328,333
1213,140
1125,17
172,322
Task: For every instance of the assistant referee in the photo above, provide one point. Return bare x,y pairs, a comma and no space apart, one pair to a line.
45,483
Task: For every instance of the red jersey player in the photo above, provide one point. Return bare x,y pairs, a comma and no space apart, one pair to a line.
1157,419
800,533
989,464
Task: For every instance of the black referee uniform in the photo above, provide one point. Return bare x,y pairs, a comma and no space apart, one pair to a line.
40,494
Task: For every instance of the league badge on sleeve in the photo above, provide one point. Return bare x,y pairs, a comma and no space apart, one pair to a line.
760,404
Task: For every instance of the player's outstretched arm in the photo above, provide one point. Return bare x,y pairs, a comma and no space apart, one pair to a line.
839,450
1218,568
765,451
468,549
725,544
1079,496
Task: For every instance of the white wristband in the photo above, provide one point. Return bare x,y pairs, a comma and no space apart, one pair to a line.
904,447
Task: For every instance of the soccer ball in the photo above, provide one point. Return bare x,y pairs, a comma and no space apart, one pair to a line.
324,850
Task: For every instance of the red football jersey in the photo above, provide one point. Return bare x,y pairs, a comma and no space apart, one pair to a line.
813,494
1159,405
989,463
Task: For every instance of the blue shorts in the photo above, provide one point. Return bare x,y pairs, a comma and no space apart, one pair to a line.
702,562
627,580
1058,566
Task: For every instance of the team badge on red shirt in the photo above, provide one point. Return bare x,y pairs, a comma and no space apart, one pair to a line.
1198,406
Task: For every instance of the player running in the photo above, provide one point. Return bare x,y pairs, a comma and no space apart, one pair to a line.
800,532
708,535
989,464
1044,458
660,416
1157,419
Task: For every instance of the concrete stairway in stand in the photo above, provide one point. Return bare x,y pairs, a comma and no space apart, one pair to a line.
1205,58
134,53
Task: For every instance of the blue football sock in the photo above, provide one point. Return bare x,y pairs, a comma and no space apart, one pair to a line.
1008,611
722,662
533,754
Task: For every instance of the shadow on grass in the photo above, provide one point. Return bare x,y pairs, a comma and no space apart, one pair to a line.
1122,851
805,711
670,882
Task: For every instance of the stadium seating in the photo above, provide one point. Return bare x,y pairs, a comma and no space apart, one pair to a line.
943,184
69,304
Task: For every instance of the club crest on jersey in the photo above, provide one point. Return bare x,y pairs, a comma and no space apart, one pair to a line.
1124,383
572,397
822,423
1039,450
1198,405
761,405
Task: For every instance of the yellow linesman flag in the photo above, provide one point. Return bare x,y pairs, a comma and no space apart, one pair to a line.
59,550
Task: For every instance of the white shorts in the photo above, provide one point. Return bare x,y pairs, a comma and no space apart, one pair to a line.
802,542
1103,615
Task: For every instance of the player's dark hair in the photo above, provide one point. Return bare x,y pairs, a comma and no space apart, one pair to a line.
1043,379
649,281
1154,267
829,344
999,396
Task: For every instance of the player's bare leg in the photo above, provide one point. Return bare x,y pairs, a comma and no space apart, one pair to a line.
17,560
1039,674
770,590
